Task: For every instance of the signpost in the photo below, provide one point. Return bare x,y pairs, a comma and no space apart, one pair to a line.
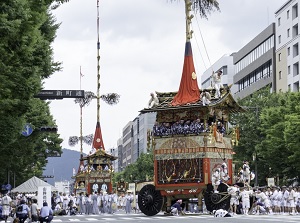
59,94
27,130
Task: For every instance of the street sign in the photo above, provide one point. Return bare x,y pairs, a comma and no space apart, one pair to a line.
59,94
27,130
47,176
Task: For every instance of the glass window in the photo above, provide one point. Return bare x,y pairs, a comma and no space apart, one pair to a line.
289,69
295,11
288,14
295,69
279,57
295,50
279,39
280,75
288,51
295,30
288,32
279,21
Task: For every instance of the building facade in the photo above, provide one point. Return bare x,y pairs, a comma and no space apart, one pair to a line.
134,139
287,47
255,64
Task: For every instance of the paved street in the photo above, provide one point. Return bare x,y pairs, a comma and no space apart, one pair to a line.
122,217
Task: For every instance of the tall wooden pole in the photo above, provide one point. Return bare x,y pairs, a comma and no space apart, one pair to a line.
98,65
188,19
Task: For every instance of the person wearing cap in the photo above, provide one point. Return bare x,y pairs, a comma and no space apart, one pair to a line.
176,208
216,81
46,213
24,212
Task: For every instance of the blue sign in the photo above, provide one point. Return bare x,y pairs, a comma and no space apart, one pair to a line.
27,130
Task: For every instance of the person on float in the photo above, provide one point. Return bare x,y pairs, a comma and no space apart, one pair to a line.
216,81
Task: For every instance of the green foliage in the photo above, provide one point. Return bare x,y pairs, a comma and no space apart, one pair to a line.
139,171
269,129
27,31
204,7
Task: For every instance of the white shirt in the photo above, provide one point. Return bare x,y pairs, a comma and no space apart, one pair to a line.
220,213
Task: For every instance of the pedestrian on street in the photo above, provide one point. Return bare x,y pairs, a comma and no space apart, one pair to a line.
6,206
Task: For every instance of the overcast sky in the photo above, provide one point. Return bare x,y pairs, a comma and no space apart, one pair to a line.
142,49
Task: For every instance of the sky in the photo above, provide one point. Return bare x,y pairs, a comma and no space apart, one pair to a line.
141,51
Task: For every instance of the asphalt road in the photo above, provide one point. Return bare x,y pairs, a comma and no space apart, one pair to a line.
127,218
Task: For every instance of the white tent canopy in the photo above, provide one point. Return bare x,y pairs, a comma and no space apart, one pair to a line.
31,186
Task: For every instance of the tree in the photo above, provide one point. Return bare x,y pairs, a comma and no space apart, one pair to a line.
203,7
26,33
271,133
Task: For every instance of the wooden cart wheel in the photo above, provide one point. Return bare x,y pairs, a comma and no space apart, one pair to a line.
150,200
215,201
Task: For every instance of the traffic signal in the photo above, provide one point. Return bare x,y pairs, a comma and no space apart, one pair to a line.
48,129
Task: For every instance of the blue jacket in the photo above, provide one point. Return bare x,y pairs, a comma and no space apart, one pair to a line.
177,205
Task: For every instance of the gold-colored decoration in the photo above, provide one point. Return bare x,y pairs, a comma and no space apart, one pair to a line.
186,173
194,75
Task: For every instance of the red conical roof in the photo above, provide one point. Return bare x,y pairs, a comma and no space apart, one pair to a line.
188,90
98,141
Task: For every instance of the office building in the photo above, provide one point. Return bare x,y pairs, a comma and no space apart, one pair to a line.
255,64
287,47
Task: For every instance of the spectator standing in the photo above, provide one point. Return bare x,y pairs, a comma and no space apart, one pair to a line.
6,206
34,210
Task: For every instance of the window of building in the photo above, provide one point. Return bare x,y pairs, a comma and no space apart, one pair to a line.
288,51
289,87
296,87
225,70
295,69
280,75
295,50
288,33
295,11
289,69
288,14
295,30
279,39
279,57
279,21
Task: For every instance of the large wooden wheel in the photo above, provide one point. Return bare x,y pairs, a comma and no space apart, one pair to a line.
150,200
215,201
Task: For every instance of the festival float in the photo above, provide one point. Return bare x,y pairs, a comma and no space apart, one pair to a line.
192,142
